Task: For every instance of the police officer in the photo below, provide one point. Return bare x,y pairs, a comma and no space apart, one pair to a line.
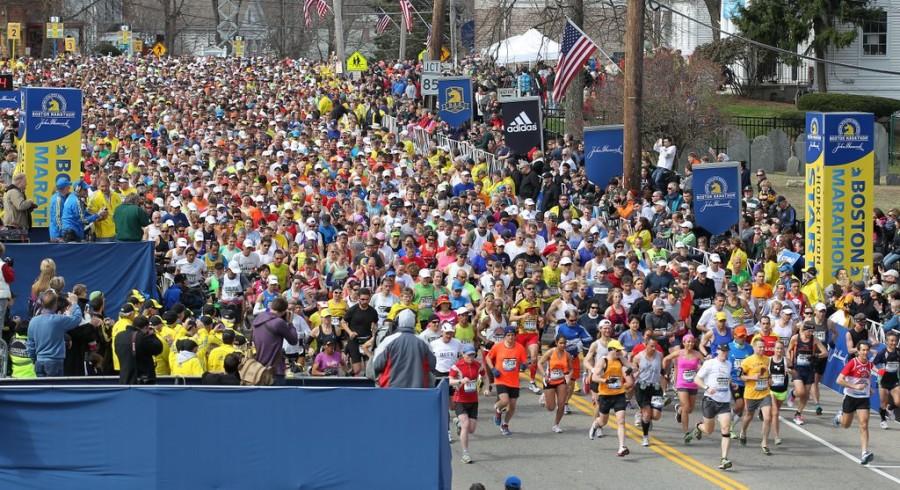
22,365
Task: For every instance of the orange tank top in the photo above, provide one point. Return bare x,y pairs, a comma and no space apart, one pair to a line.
559,366
615,379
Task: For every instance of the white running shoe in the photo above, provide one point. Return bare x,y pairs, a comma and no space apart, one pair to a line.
533,387
637,419
884,424
595,432
836,421
645,441
556,429
567,410
541,399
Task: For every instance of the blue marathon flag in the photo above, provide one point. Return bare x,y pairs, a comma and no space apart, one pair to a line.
455,100
717,196
603,153
10,99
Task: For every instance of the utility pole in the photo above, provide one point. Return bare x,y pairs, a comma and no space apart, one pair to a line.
634,62
574,102
403,34
453,33
339,29
283,31
437,30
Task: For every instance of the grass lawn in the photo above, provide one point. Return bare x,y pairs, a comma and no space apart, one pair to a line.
732,105
886,196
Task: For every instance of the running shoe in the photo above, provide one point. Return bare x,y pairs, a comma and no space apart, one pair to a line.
766,451
790,400
725,464
884,424
595,432
698,434
733,435
645,441
541,400
466,458
866,457
622,452
637,419
504,429
836,420
449,436
497,416
818,410
556,429
458,428
688,437
667,400
798,419
742,438
567,410
629,405
533,387
678,413
778,441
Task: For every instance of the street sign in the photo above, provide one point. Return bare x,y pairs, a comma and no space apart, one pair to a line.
357,62
138,46
14,31
237,46
70,45
55,30
506,93
159,50
431,71
430,66
126,37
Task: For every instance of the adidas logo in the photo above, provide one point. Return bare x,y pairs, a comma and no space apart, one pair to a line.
521,124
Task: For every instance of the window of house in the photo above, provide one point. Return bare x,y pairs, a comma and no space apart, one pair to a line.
874,36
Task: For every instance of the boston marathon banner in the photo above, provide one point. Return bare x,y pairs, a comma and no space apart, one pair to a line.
840,166
522,124
838,356
10,99
455,100
51,142
717,196
603,153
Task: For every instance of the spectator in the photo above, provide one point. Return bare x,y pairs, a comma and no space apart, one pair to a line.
130,220
230,377
75,215
55,209
46,334
135,348
270,331
404,360
7,276
104,199
17,207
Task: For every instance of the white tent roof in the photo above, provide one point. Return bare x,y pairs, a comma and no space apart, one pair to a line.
529,47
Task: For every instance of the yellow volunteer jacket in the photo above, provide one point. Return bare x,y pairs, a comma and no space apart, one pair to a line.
216,363
191,367
106,227
161,361
121,324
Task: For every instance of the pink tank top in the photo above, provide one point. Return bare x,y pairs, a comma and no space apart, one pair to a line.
686,371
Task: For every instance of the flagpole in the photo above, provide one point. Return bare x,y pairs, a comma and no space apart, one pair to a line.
575,25
403,35
339,28
391,18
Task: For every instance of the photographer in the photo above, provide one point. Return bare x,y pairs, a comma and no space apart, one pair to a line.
130,219
17,207
7,276
136,347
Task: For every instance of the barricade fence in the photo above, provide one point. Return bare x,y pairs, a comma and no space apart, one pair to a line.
425,142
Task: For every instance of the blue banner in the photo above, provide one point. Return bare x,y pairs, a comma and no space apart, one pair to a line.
52,113
10,99
455,100
114,268
603,153
838,357
224,438
717,196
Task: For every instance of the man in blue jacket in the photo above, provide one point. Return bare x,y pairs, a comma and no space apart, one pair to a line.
46,344
57,200
75,215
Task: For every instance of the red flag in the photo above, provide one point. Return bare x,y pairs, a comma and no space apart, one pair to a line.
406,7
307,6
574,50
383,23
323,8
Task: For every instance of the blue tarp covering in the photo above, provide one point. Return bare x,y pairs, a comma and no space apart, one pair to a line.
838,357
240,438
114,268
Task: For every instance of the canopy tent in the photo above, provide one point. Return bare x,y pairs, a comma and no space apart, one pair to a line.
524,48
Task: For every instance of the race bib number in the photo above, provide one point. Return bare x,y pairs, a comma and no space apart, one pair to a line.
820,335
705,303
689,375
530,325
614,383
723,383
553,291
335,321
891,367
557,374
509,364
777,379
469,387
601,291
803,360
426,302
762,384
657,402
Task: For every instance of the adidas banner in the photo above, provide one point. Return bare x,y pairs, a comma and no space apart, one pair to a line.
522,124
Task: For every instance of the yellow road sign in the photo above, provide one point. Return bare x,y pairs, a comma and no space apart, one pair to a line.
159,50
445,53
237,45
14,31
357,62
138,46
55,30
70,45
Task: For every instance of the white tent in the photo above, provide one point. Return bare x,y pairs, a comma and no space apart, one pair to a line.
524,48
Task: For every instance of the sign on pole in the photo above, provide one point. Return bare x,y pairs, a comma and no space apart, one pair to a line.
70,44
159,50
603,155
455,100
522,124
431,71
237,46
717,196
138,45
14,31
55,30
357,62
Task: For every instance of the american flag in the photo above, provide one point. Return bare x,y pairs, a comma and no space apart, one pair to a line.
307,6
323,8
383,23
407,7
575,49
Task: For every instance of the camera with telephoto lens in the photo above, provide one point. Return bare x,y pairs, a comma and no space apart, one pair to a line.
9,261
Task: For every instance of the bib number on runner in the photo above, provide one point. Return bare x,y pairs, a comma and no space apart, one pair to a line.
426,302
689,375
335,321
803,360
657,402
723,383
705,303
601,291
891,367
531,325
470,387
509,364
557,374
762,384
777,380
821,336
614,383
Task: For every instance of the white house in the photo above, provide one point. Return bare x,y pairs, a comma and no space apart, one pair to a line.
877,45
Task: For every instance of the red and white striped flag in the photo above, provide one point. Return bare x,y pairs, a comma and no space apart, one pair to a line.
383,23
307,16
574,50
323,8
407,7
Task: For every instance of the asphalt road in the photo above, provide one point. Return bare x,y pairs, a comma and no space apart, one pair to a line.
815,455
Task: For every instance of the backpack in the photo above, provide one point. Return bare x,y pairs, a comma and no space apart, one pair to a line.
254,373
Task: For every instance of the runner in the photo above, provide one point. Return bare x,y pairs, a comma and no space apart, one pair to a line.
687,361
716,336
556,376
755,373
527,314
779,387
649,394
889,385
492,325
804,353
825,333
856,377
596,352
577,341
610,379
504,361
714,378
464,378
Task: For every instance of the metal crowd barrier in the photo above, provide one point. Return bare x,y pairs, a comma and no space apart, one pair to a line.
424,142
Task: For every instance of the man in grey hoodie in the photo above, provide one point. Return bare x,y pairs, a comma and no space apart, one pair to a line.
270,331
403,360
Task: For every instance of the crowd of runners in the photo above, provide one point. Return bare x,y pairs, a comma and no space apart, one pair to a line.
267,179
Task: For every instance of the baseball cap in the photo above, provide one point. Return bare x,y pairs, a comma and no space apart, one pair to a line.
658,303
509,330
715,258
876,288
273,280
248,243
448,327
424,273
661,263
808,326
468,349
687,224
721,316
565,261
513,482
614,345
605,323
324,313
821,307
701,269
740,331
235,267
182,242
724,346
893,273
860,317
680,245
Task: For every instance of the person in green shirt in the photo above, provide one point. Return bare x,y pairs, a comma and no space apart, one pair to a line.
424,295
130,220
22,365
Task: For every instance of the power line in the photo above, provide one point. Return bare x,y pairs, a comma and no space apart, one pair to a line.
656,5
